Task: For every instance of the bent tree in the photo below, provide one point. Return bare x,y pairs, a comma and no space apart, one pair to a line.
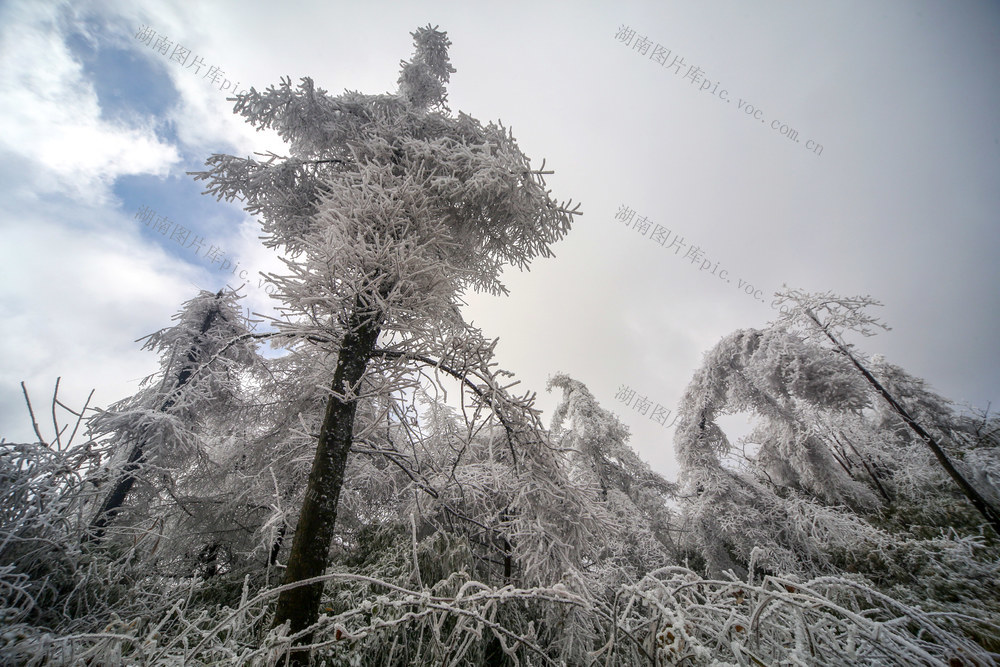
833,479
734,519
389,207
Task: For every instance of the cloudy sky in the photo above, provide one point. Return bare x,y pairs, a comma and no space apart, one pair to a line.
850,146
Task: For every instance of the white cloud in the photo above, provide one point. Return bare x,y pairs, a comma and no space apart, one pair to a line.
49,113
80,294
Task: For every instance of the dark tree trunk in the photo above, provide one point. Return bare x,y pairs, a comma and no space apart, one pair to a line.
314,532
116,498
276,546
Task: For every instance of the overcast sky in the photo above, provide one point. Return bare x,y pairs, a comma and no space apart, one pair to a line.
848,146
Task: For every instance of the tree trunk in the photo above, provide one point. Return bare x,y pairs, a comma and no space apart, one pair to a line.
276,546
314,532
114,500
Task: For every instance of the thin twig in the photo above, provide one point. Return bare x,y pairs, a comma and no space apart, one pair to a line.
34,423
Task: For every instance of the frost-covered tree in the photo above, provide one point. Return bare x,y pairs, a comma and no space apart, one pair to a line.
43,493
833,480
161,427
736,518
826,316
389,208
633,494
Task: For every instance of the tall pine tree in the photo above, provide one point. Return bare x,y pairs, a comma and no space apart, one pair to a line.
389,208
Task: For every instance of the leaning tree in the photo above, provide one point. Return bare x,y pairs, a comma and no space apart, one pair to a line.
203,358
922,413
839,449
389,208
